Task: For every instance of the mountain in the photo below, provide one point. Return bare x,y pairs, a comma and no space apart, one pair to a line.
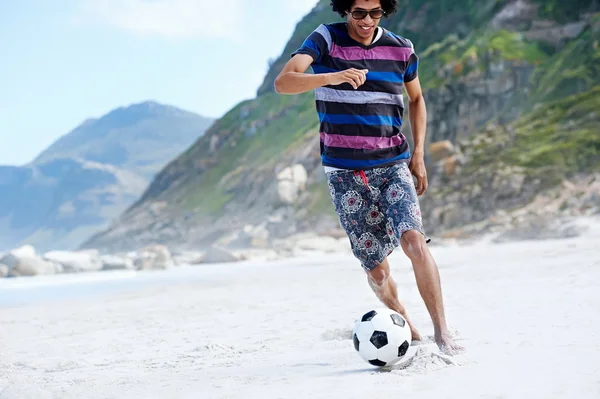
511,88
140,137
91,175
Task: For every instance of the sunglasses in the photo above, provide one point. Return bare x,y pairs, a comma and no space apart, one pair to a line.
362,14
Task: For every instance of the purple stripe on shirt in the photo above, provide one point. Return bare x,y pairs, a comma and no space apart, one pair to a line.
360,142
376,53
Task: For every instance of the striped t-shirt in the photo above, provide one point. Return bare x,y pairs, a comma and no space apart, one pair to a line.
361,128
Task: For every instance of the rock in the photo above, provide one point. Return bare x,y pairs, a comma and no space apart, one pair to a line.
216,254
24,261
153,257
555,34
450,215
310,242
537,227
214,141
259,235
514,15
114,262
282,223
456,234
188,258
77,261
249,236
501,218
291,182
288,193
318,243
450,166
508,183
435,216
440,150
17,265
591,197
258,255
543,24
335,232
27,251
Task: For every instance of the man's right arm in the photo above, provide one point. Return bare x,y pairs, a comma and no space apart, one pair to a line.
293,78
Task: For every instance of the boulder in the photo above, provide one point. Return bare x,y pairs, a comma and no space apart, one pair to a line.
153,257
217,254
3,270
291,182
188,258
249,236
27,251
24,261
310,242
114,262
540,227
440,150
450,165
76,261
258,254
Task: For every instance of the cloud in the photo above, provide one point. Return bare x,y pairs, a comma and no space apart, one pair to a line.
165,18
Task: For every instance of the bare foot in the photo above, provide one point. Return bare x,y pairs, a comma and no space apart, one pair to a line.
447,345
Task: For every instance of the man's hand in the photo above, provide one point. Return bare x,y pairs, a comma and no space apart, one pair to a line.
356,77
417,168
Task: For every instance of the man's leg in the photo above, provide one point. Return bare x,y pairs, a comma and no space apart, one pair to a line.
384,287
428,282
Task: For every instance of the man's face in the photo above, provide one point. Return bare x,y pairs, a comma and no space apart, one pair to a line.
365,27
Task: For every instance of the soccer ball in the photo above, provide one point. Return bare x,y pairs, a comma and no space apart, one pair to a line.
382,337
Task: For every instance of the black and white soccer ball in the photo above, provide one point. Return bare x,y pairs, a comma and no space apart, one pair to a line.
382,337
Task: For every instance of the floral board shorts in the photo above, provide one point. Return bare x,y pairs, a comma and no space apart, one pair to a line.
375,207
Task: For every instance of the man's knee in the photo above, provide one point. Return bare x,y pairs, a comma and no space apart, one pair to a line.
379,275
414,245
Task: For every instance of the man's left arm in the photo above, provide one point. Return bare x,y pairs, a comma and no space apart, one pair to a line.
418,126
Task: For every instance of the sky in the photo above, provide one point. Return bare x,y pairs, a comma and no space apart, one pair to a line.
64,61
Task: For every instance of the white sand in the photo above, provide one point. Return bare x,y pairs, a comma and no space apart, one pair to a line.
528,312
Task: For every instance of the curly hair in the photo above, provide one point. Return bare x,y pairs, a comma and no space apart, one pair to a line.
341,6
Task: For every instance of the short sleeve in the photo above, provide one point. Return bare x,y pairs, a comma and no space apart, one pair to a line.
317,44
412,66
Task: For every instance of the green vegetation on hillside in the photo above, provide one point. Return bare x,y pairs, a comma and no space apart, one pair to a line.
564,134
553,142
574,69
448,61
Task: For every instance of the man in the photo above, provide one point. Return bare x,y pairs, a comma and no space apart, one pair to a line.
360,70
